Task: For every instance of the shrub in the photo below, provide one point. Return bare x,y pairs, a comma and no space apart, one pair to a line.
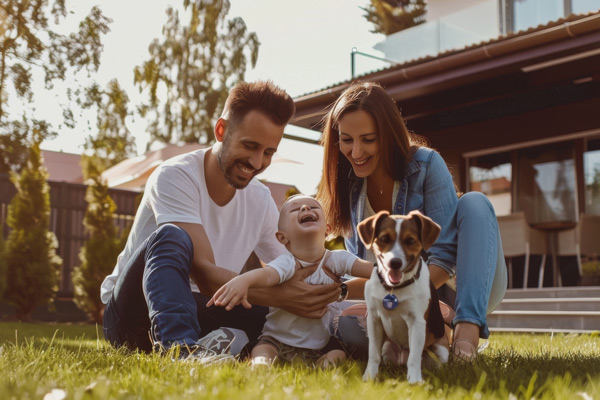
99,254
33,267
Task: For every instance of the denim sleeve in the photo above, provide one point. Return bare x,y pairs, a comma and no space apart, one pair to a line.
440,202
350,243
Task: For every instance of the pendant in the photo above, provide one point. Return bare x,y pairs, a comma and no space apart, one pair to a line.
390,302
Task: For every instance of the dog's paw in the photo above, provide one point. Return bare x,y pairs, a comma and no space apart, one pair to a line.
414,377
370,373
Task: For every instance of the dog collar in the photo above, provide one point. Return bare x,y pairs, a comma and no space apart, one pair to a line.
404,284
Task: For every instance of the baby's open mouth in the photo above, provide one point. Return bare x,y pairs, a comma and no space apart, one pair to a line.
308,218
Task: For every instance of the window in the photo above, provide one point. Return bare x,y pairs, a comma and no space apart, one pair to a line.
530,13
591,171
523,14
547,183
491,175
582,6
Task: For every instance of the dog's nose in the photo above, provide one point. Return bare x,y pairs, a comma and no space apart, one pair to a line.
395,263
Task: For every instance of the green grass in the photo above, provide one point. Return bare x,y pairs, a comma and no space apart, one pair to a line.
36,359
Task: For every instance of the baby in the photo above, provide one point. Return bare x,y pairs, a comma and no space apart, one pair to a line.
302,229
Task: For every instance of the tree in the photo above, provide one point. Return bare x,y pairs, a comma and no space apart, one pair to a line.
189,73
99,254
33,267
29,44
2,262
391,16
113,142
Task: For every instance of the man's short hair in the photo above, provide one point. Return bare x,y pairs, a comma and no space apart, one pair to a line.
264,96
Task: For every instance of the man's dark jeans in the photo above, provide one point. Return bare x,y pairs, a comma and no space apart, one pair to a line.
153,302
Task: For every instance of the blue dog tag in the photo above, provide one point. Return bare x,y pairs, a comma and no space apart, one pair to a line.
390,302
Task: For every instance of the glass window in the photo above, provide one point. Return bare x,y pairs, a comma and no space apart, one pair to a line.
582,6
531,13
491,175
547,183
591,171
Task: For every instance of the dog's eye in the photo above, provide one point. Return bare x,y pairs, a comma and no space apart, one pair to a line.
410,241
384,239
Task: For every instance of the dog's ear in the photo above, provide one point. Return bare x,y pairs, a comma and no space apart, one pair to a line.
367,228
429,229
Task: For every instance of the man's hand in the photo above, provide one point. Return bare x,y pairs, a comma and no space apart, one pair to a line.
297,296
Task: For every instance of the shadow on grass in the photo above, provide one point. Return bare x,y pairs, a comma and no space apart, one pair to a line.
529,375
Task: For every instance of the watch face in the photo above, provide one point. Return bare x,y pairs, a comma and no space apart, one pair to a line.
343,293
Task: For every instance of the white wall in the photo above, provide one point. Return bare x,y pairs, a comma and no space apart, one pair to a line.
437,9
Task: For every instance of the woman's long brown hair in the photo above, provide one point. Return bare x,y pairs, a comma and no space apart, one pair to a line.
394,143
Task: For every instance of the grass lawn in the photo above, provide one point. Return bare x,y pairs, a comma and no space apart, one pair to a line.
73,362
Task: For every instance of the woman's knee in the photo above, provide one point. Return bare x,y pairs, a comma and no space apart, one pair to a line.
475,204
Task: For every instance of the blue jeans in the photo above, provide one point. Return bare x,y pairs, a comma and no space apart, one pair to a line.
481,277
152,301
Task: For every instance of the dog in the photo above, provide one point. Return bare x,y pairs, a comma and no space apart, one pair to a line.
402,305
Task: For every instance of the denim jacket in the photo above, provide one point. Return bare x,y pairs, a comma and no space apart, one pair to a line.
427,187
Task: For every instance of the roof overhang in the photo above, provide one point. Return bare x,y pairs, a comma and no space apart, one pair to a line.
563,42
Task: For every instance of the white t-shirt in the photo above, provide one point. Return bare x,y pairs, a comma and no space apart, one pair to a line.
290,329
176,192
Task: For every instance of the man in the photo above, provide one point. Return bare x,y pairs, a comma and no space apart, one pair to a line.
201,217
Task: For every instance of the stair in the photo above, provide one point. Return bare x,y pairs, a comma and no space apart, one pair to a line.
568,309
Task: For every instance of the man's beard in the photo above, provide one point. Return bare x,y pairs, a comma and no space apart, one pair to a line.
227,165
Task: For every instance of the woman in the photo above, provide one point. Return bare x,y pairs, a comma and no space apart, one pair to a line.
372,163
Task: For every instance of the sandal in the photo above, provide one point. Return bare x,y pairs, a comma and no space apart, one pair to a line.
465,352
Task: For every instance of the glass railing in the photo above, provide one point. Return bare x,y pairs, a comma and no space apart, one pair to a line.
450,32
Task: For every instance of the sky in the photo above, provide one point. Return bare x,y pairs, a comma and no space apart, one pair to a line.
305,46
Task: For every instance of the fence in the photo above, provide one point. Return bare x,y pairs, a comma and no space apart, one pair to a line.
68,205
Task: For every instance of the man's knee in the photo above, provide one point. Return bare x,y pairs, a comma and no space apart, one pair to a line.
175,236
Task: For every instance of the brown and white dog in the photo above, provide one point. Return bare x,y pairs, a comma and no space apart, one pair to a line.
402,306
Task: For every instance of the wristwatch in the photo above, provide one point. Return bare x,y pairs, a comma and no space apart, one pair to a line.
344,292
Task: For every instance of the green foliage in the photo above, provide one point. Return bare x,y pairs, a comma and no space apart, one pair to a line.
391,16
113,142
2,262
189,73
29,45
99,254
33,267
14,139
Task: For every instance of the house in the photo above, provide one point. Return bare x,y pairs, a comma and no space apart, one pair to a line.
503,89
63,167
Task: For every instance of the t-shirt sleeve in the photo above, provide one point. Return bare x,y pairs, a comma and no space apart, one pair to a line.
268,247
173,196
342,262
285,265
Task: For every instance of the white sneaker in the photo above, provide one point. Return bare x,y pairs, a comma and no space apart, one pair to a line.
205,356
224,341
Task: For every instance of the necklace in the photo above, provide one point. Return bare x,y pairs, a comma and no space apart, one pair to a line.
380,188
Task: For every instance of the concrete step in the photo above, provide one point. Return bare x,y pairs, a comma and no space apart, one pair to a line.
564,292
544,321
551,304
567,309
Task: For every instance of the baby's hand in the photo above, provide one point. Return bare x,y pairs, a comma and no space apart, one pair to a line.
231,294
